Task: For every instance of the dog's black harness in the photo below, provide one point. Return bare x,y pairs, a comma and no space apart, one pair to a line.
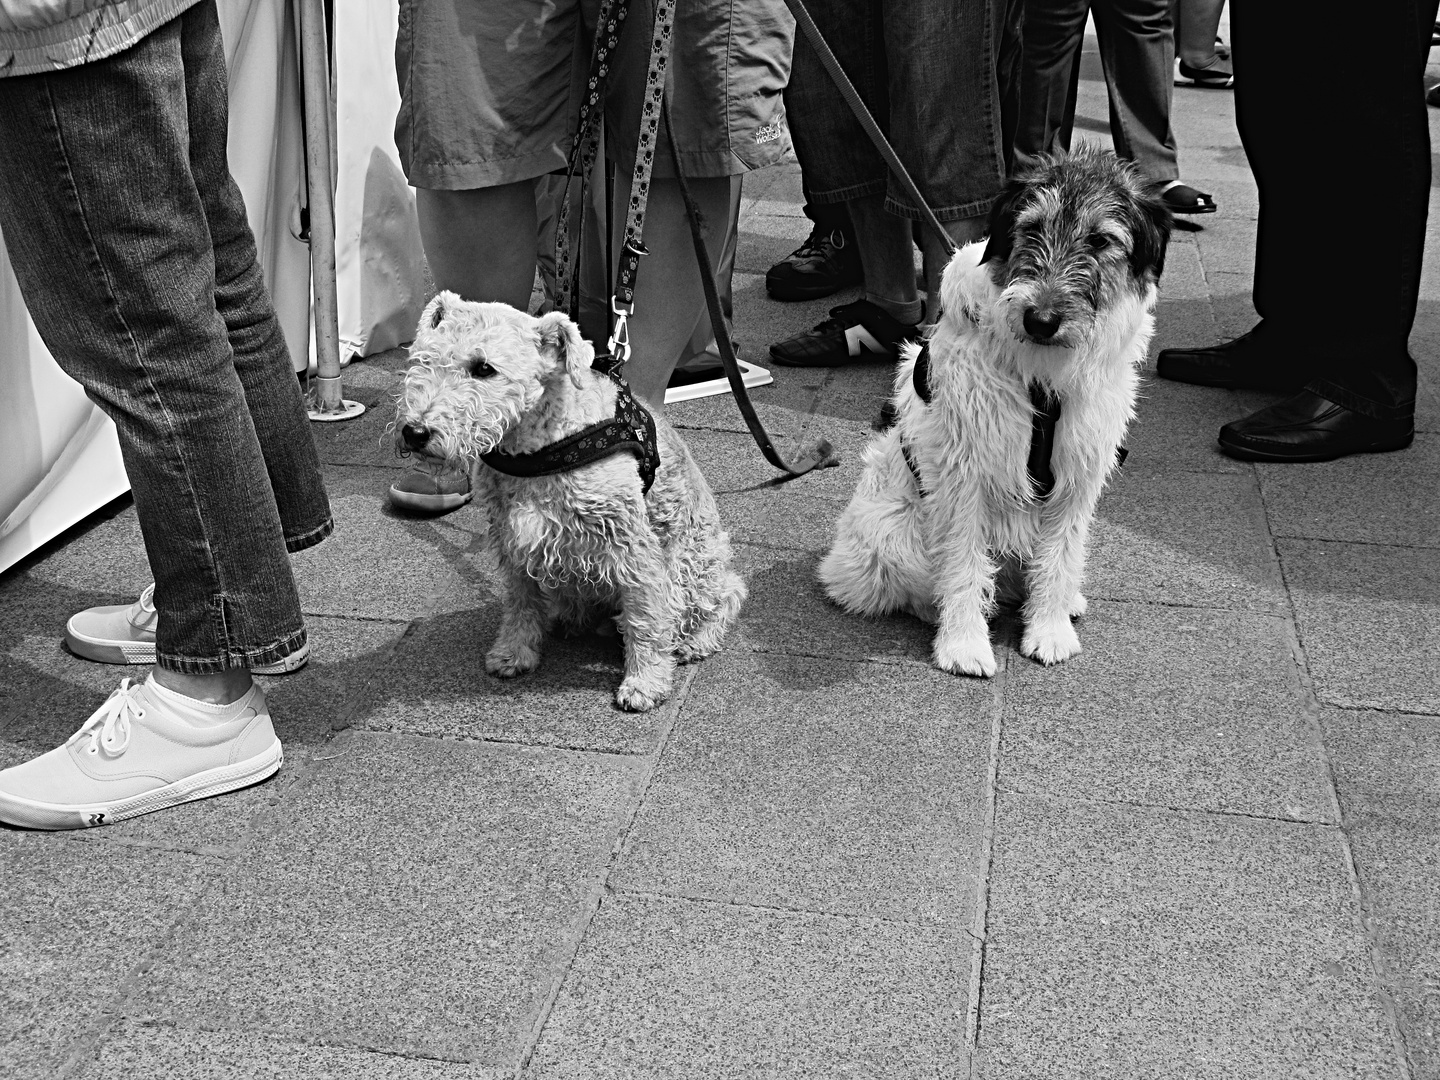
1042,430
632,428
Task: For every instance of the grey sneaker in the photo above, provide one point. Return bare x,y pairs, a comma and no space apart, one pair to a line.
143,750
431,491
125,634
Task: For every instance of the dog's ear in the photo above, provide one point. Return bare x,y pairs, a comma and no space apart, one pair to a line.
1002,222
1151,231
434,313
559,334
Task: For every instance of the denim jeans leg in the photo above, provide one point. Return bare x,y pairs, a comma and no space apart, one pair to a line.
262,359
107,230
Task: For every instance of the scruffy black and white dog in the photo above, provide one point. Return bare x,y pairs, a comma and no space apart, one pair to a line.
1011,416
582,532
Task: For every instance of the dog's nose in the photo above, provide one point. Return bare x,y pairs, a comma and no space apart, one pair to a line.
415,436
1041,329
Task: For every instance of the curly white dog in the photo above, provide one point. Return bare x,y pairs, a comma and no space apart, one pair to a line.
596,507
1011,417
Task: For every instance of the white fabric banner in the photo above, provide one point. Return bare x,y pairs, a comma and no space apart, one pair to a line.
382,280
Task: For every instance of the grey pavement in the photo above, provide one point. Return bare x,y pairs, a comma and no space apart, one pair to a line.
1205,848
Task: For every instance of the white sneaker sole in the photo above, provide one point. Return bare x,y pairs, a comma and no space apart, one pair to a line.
29,814
109,651
427,503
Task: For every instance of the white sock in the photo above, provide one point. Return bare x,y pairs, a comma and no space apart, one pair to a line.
206,709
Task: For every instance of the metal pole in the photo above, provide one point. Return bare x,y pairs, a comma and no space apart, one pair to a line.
325,399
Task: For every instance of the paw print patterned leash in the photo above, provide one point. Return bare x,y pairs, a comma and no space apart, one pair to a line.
582,157
585,148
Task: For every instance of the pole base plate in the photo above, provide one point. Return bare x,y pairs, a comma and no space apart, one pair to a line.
348,410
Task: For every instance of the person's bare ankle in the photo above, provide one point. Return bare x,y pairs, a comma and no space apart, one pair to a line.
216,688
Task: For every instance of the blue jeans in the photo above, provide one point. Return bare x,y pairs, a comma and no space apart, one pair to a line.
935,74
131,246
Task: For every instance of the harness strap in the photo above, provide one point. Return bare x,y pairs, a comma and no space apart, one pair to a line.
1045,416
631,429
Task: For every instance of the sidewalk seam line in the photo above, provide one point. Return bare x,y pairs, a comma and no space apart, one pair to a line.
1312,710
980,917
601,888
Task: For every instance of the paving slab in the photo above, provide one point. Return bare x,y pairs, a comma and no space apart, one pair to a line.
852,789
418,898
1369,622
781,517
788,612
1184,538
436,686
363,440
1369,498
1175,426
429,564
80,918
666,988
1168,707
153,1050
1387,770
1140,943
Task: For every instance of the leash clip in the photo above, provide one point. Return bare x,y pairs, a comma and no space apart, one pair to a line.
619,346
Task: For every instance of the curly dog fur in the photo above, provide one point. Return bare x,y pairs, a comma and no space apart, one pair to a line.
582,546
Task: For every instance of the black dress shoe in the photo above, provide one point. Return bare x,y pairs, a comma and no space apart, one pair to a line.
1242,364
1308,427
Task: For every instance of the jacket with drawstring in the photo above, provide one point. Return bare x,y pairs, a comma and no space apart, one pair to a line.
46,35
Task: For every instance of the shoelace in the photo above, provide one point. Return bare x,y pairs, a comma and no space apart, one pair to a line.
109,725
814,246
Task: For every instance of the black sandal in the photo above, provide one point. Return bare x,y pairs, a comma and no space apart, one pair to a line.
1184,199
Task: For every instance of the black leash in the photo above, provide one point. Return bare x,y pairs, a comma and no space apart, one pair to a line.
862,114
821,453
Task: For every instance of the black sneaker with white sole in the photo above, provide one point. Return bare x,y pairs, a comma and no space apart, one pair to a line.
854,333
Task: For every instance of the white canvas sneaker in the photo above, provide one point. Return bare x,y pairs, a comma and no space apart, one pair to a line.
145,749
125,634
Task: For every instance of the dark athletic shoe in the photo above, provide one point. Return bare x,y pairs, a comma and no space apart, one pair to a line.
823,264
853,333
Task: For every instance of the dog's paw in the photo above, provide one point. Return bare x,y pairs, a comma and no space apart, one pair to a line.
638,694
969,654
1079,605
509,662
1050,642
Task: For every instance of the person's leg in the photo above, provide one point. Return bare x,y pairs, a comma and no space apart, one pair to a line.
887,256
108,235
1054,32
669,302
480,243
1137,46
257,344
964,53
1196,24
1361,393
107,230
484,110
